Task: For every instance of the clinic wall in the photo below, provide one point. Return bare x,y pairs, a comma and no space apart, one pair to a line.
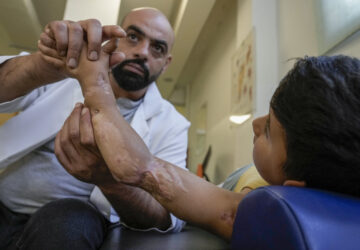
5,49
350,46
232,144
211,87
298,34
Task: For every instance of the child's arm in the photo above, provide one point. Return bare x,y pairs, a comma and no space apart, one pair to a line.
191,198
135,206
129,160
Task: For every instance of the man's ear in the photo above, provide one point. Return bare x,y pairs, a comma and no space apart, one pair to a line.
167,63
294,183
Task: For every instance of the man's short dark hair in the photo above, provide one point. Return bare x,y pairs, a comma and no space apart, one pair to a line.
318,105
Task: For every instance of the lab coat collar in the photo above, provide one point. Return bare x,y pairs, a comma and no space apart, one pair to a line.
151,106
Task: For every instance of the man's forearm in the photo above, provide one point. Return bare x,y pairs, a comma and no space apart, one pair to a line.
20,75
136,208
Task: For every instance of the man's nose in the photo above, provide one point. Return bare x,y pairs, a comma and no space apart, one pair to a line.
142,50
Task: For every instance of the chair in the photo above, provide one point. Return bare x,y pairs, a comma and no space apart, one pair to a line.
190,238
271,217
279,217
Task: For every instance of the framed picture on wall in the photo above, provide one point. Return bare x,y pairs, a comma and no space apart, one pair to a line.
242,83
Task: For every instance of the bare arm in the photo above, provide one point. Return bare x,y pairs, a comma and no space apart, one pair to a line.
130,162
20,75
180,192
191,198
77,151
136,207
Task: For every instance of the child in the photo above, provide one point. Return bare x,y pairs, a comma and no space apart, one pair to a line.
311,137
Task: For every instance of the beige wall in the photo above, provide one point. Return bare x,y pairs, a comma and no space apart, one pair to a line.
211,87
297,32
231,144
4,43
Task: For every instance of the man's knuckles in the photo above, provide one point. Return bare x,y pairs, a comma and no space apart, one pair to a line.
87,141
93,23
80,173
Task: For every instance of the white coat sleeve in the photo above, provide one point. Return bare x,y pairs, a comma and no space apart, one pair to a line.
22,102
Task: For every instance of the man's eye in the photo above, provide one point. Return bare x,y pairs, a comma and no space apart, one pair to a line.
132,37
159,49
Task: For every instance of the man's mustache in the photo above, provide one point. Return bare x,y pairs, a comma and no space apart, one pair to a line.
139,62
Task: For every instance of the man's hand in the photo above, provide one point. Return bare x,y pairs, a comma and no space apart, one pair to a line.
66,39
76,149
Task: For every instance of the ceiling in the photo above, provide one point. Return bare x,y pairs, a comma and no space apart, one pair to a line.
21,22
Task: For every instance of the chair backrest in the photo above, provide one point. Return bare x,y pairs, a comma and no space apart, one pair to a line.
278,217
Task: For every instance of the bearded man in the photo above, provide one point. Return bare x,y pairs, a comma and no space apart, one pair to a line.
44,206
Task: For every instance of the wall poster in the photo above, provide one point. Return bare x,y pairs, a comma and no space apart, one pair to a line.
243,77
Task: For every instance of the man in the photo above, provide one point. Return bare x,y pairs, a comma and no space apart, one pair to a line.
34,182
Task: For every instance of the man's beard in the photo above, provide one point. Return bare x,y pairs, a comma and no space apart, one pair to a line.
131,81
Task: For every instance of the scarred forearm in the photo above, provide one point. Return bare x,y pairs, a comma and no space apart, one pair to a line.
20,75
135,206
191,198
185,195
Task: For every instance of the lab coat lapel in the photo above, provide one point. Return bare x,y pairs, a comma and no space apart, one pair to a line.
148,108
140,125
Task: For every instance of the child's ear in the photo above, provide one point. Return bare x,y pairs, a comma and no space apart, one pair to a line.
294,183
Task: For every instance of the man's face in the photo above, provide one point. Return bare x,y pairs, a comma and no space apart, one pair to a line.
146,48
269,151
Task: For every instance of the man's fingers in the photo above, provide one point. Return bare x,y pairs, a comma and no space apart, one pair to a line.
76,36
58,30
48,51
74,124
60,154
94,37
111,46
51,56
47,40
68,38
112,31
67,136
86,130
